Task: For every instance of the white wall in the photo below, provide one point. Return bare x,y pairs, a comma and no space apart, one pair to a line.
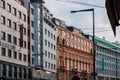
12,32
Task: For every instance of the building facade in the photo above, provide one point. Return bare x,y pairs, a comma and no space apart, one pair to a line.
107,60
44,55
31,31
13,40
74,53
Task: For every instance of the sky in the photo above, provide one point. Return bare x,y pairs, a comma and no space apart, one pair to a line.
83,20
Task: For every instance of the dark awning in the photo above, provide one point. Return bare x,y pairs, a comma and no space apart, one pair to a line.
38,1
113,11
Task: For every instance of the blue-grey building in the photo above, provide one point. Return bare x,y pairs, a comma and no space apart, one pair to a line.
107,60
44,56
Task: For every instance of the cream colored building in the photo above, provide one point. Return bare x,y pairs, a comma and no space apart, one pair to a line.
13,40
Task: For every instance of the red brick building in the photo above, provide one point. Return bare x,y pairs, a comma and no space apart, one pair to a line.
74,53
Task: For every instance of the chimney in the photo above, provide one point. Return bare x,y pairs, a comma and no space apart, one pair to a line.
21,2
103,37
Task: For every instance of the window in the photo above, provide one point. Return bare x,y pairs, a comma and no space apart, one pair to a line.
19,42
54,37
32,48
9,70
51,45
9,38
24,44
45,53
49,33
54,47
3,20
8,22
24,74
8,7
64,34
20,56
3,51
9,53
3,36
33,36
24,17
32,23
78,39
3,4
19,14
20,72
46,64
14,26
45,31
15,55
32,11
46,42
51,56
72,37
54,57
51,66
54,67
15,40
15,71
82,41
24,30
14,11
24,57
33,60
48,54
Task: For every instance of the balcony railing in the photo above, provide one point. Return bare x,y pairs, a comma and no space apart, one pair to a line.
62,41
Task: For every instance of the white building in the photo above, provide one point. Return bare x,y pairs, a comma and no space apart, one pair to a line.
13,40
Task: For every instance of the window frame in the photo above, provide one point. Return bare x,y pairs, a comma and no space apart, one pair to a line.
3,54
24,17
3,19
32,48
14,40
9,38
20,14
14,25
9,23
32,23
24,31
14,54
3,4
24,57
24,44
48,33
32,11
32,36
3,35
8,7
20,56
14,11
9,53
45,31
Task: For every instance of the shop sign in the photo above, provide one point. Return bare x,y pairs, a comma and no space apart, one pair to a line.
7,45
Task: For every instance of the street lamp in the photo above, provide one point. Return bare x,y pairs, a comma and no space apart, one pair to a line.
86,10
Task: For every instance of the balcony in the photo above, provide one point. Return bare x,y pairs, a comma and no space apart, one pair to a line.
61,41
49,22
62,68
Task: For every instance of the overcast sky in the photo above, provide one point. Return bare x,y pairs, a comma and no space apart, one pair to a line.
83,20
